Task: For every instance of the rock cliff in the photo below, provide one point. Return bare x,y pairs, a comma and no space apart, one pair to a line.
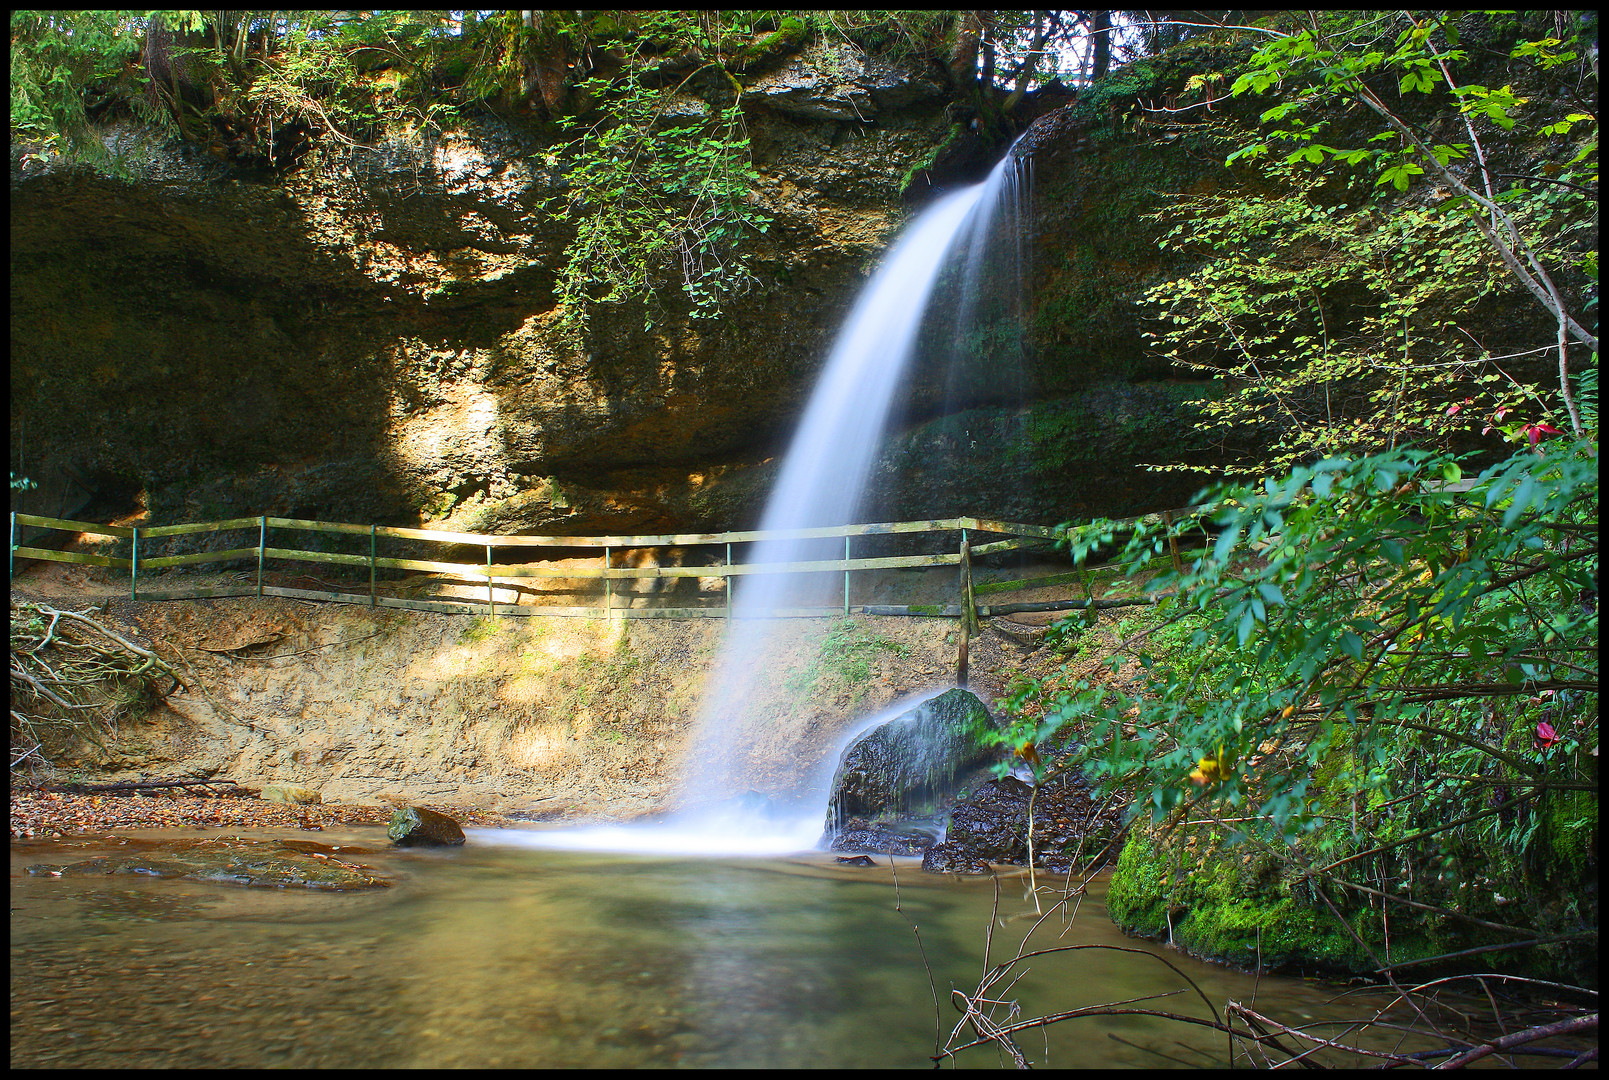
371,337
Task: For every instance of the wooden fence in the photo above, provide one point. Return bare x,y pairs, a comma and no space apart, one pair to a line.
1017,536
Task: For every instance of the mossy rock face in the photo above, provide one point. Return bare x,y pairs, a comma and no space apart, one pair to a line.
912,766
1083,455
1227,906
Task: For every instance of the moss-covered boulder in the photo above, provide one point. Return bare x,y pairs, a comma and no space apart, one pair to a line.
1237,905
1232,906
912,766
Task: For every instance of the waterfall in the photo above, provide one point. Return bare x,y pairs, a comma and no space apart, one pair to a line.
826,466
822,479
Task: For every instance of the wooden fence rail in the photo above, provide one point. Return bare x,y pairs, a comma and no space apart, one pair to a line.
1018,537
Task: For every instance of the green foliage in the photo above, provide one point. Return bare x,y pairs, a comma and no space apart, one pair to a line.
660,187
1349,322
1365,656
318,75
1336,328
56,56
1533,228
246,74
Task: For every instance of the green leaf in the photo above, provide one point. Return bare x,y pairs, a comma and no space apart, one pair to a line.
1352,645
1398,175
1243,631
1521,502
1226,543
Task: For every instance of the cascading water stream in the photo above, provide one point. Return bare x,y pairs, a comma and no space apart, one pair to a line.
823,476
825,470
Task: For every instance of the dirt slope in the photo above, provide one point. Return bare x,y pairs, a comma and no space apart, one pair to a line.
555,717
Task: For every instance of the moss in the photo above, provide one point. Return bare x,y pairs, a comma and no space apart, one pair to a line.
927,160
480,629
1569,834
1234,906
843,663
788,36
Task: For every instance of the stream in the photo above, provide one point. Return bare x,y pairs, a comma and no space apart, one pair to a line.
497,954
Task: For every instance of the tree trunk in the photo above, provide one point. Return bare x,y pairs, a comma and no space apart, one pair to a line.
1100,32
964,56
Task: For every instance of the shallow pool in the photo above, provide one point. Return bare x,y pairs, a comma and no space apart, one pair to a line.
498,954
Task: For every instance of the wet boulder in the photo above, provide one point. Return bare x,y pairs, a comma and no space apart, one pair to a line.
415,826
901,838
911,767
948,860
991,826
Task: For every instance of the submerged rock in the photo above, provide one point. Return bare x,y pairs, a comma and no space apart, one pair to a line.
945,860
912,766
855,860
415,826
231,861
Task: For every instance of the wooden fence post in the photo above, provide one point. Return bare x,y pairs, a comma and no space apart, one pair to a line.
966,608
491,602
729,584
608,588
846,575
134,565
262,542
373,602
11,563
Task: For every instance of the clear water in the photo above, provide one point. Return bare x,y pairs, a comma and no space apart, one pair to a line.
497,954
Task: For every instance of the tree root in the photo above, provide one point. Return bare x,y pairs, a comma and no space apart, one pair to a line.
72,676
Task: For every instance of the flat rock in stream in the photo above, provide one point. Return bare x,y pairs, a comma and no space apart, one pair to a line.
270,864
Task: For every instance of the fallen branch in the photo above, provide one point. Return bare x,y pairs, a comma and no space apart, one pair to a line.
1521,1038
134,786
